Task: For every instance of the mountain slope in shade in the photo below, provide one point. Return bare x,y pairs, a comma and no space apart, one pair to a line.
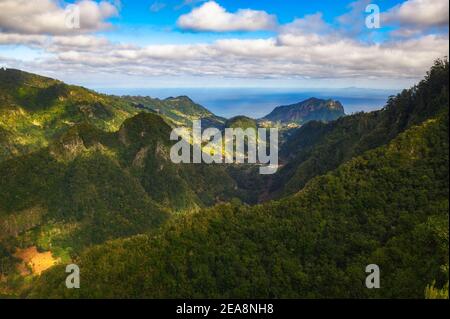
312,109
388,206
317,148
110,184
89,186
367,188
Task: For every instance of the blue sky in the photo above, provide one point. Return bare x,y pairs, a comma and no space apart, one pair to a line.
139,23
225,43
138,12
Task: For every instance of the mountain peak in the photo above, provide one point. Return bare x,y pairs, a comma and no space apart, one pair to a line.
312,109
181,98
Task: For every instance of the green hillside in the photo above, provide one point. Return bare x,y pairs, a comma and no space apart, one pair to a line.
317,148
88,172
89,186
79,168
35,109
313,244
387,205
179,110
88,177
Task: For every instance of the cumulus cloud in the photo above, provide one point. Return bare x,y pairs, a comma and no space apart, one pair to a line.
419,13
48,17
312,23
287,56
213,17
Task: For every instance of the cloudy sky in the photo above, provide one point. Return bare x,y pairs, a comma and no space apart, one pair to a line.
225,43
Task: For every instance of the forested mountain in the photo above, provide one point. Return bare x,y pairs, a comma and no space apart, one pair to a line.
312,109
35,109
100,191
317,148
179,110
388,207
79,168
109,184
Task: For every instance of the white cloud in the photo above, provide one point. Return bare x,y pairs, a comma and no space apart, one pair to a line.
212,17
419,13
25,39
406,33
312,23
80,43
48,17
307,48
287,56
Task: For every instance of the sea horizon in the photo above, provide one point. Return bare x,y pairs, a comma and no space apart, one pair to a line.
258,102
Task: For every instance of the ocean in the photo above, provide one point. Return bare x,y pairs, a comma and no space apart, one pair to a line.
257,103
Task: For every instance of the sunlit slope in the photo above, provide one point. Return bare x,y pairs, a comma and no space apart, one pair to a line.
35,109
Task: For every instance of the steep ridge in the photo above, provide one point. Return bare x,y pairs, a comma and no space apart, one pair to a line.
34,110
179,110
88,172
317,148
90,186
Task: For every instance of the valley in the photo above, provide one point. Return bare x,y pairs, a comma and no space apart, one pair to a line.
87,178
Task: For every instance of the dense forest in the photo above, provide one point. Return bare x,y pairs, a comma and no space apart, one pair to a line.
369,188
